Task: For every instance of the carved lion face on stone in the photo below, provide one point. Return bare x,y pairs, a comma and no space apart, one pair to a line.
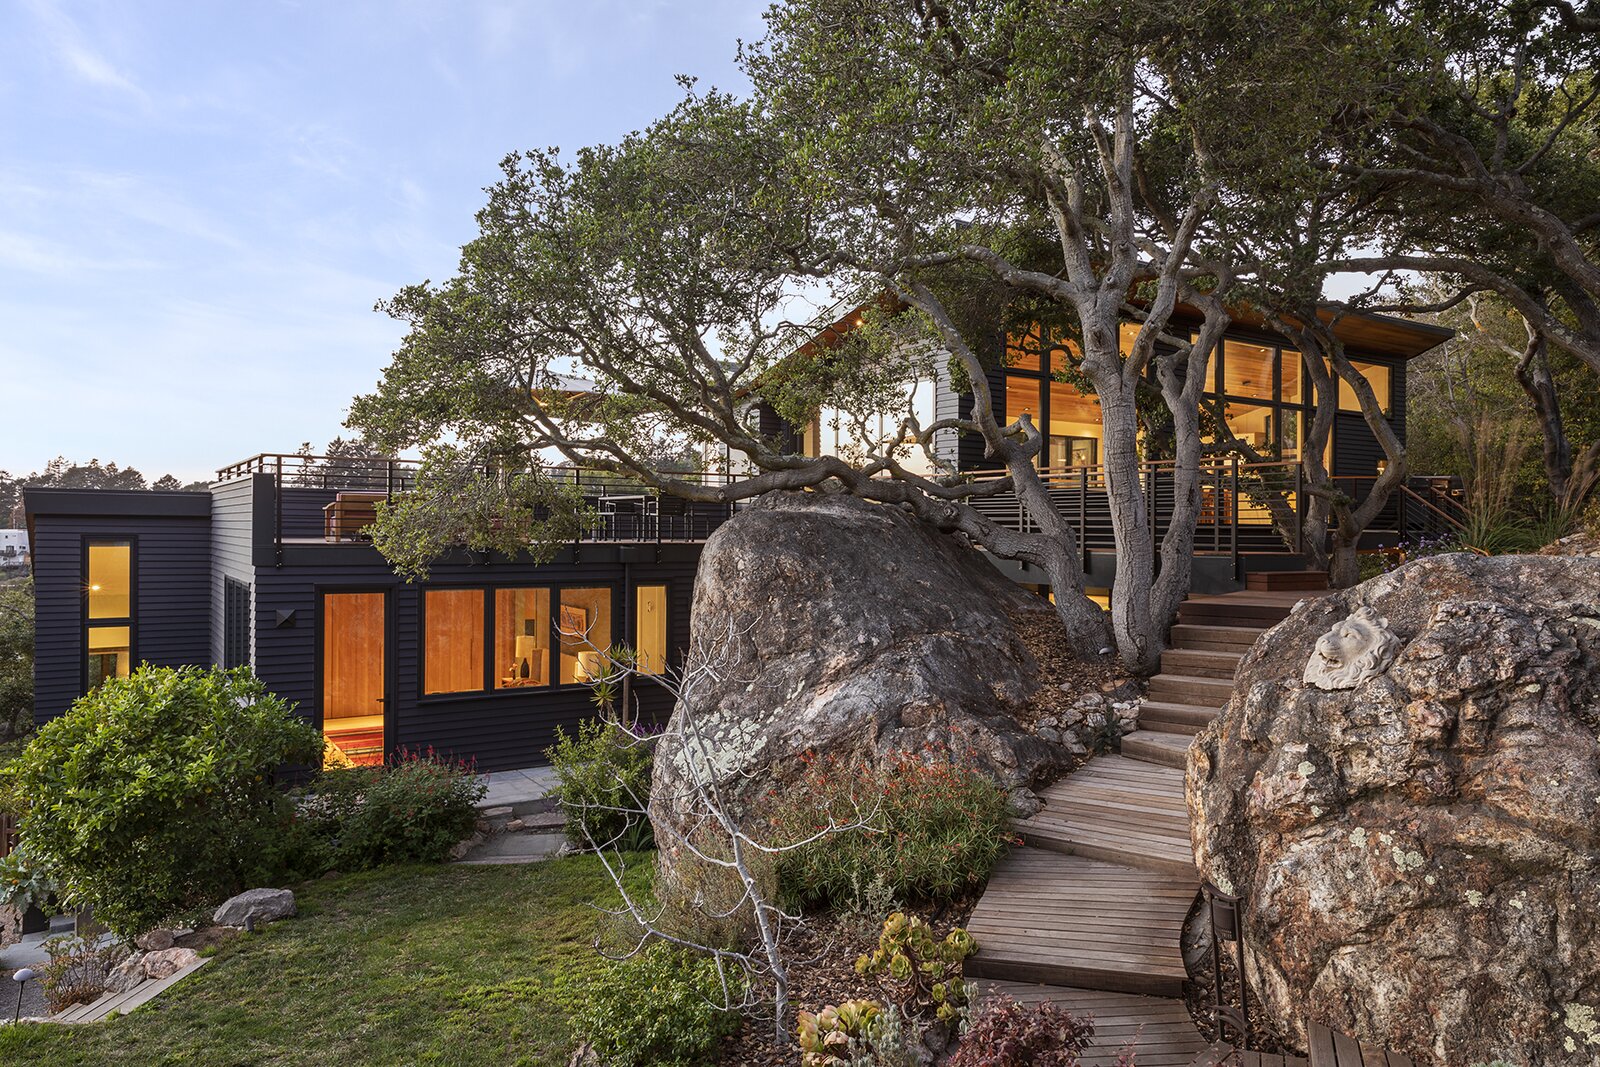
1358,648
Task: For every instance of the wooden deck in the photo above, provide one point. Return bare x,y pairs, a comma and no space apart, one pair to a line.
1160,1030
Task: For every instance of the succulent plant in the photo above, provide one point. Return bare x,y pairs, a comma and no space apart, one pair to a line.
918,971
832,1036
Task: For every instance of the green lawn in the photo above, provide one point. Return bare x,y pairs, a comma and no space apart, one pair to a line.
408,965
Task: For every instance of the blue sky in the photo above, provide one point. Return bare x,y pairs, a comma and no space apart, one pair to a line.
200,202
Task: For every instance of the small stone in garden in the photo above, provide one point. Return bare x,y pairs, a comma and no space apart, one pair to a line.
498,813
127,974
156,940
260,905
1050,734
168,962
514,825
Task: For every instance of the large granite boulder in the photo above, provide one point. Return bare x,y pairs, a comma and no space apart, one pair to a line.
256,907
1404,791
826,624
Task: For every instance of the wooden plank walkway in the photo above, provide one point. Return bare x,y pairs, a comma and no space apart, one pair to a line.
1118,809
1071,921
1160,1030
124,1002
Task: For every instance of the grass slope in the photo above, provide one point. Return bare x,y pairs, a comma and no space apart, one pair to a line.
406,965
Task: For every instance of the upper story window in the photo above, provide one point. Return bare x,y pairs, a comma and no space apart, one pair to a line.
1378,376
108,596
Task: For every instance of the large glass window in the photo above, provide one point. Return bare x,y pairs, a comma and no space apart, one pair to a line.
1252,424
1022,397
1378,376
453,640
522,638
1074,427
583,624
108,611
1293,377
650,628
1247,370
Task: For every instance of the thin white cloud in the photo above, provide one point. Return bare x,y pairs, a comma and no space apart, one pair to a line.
66,40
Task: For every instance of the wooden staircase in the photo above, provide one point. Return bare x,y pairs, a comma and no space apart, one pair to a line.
1089,913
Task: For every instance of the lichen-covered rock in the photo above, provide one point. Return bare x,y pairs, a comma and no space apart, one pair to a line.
168,962
823,623
1419,855
255,906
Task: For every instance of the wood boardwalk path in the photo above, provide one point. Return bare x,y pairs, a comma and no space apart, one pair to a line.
1090,913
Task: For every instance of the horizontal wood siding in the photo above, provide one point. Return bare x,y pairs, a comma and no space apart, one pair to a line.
232,533
497,730
172,598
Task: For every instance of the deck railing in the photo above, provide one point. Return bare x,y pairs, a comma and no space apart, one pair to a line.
1243,507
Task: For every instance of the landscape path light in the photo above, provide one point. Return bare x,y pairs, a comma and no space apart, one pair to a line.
21,978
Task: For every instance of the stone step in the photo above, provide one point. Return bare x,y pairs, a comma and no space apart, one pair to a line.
1073,921
1200,663
1159,1030
1152,746
1168,717
515,848
1188,689
1216,638
1120,810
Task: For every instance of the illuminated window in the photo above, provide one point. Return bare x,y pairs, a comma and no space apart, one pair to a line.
522,638
583,624
1293,378
453,640
108,611
650,628
1074,427
1251,424
1246,370
1022,397
1378,376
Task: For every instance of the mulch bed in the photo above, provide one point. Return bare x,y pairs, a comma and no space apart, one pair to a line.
822,971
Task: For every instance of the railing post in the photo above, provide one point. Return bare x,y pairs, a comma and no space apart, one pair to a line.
1299,509
1400,508
277,515
388,480
1233,517
1083,514
1216,508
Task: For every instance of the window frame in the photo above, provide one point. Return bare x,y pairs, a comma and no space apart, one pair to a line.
86,624
616,587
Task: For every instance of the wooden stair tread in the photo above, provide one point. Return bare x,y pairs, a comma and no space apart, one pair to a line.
1071,921
1118,809
1159,1028
1153,746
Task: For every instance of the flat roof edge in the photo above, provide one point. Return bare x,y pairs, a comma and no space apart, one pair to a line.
134,503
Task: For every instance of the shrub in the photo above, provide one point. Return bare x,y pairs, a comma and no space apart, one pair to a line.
660,1008
154,794
605,785
79,970
936,828
1004,1033
22,884
414,810
917,971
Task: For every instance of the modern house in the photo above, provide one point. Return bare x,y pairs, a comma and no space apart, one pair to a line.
269,567
13,548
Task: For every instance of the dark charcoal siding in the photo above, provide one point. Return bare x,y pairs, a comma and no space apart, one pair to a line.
497,730
172,594
786,434
965,450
